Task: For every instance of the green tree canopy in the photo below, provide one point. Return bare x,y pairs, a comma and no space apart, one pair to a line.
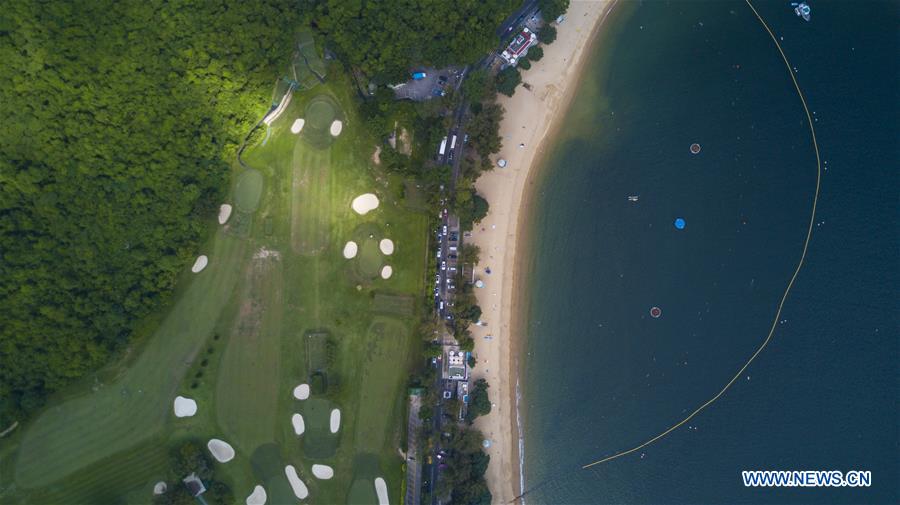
535,53
547,34
552,9
387,39
120,119
478,85
507,80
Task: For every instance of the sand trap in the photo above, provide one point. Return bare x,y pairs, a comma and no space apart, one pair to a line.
362,204
386,272
200,264
335,420
224,213
300,490
336,127
160,488
381,490
257,497
185,407
387,246
221,450
301,392
299,425
297,126
323,472
350,249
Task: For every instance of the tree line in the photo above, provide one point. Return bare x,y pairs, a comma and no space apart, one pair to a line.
120,122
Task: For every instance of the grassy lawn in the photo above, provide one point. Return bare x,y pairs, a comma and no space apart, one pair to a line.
277,306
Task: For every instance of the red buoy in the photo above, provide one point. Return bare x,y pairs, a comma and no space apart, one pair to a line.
655,312
695,148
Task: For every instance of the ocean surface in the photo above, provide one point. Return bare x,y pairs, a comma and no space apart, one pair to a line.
599,375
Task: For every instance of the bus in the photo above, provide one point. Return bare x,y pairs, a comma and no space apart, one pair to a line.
443,147
453,143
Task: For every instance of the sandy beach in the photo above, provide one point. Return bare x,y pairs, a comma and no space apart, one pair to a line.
531,116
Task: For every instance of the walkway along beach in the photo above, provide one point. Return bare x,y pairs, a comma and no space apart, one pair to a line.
531,116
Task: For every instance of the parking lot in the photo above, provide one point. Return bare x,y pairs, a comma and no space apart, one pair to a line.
447,264
435,82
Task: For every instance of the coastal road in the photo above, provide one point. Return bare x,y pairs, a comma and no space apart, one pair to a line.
528,8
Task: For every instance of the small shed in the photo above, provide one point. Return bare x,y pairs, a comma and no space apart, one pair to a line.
194,484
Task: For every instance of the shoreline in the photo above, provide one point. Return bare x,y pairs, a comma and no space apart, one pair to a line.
532,117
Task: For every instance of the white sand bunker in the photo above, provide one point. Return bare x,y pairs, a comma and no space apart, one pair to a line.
323,472
350,249
387,246
335,420
300,490
224,213
184,407
257,497
299,425
386,272
301,392
362,204
381,490
336,127
160,488
297,126
200,264
221,450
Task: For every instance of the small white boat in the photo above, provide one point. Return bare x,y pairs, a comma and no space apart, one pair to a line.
802,10
633,198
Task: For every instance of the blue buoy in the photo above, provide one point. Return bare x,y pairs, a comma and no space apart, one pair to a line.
679,223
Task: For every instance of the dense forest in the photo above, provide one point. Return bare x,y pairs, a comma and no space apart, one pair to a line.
384,39
119,123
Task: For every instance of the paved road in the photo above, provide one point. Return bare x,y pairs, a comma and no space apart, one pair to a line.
528,8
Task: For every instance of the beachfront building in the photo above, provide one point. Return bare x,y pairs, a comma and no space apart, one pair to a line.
462,393
519,46
455,367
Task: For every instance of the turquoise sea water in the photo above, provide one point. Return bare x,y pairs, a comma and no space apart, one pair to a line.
599,375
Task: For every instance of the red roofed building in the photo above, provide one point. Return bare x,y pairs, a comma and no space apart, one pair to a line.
519,46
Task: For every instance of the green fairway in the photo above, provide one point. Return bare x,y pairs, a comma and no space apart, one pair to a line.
277,306
110,417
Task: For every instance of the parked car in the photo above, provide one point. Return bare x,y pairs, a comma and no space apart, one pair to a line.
444,230
443,265
439,253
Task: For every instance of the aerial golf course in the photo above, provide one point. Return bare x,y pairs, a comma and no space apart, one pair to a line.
282,303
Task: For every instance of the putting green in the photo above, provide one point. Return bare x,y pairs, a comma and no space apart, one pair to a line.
248,190
138,405
320,112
